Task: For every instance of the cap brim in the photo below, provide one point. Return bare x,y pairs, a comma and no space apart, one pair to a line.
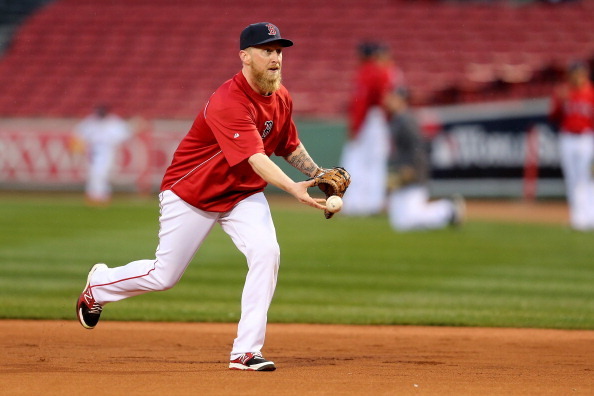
282,42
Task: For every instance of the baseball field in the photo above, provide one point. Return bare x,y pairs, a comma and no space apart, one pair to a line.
502,305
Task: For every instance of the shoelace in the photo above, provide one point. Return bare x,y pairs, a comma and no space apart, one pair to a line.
96,309
245,357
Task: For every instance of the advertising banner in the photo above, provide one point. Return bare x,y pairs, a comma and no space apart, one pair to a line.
50,160
489,142
490,149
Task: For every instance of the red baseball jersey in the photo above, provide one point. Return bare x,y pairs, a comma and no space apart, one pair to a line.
209,169
575,113
372,83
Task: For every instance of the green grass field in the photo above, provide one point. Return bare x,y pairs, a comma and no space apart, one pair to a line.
344,270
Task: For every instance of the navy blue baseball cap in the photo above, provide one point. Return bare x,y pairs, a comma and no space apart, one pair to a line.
371,48
261,33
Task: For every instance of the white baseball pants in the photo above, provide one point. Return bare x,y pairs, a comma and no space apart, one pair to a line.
365,158
183,228
577,154
98,185
409,209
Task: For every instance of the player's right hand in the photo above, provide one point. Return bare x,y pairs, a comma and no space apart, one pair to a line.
300,192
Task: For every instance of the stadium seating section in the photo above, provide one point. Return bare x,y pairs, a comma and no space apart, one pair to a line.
163,58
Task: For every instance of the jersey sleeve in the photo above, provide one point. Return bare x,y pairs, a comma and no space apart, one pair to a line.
235,130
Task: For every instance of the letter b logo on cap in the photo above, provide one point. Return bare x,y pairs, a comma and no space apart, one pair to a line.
271,29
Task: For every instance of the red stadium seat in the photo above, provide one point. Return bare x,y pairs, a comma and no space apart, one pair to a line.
163,59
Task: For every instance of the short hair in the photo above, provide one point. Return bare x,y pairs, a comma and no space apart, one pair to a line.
371,48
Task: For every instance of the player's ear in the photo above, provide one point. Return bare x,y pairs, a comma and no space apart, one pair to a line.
245,56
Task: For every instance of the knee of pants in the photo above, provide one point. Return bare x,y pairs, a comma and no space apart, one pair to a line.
165,284
162,281
264,253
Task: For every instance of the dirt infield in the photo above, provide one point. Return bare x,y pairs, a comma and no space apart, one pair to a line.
119,358
544,212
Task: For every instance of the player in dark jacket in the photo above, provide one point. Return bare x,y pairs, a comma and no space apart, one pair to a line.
409,207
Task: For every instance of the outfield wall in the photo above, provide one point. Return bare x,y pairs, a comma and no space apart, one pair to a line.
495,149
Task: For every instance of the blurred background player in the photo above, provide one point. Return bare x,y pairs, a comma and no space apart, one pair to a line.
366,150
99,135
572,110
409,207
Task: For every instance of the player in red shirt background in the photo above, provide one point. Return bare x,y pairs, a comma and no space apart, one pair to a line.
366,152
217,175
572,109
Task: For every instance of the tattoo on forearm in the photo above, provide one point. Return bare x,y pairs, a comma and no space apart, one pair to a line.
301,160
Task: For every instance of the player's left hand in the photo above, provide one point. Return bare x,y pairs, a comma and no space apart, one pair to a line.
334,181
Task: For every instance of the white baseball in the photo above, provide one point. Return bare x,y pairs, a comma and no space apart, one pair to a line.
334,204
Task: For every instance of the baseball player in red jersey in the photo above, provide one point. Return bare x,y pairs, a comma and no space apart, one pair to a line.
366,152
572,109
218,175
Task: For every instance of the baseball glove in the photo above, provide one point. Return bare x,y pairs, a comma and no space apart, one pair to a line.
402,177
333,181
